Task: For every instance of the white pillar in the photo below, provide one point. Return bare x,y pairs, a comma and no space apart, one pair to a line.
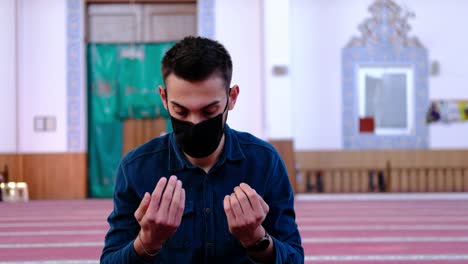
277,72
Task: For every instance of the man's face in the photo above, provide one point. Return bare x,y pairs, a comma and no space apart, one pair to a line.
196,101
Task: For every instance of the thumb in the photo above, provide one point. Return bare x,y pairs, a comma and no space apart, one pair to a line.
264,205
140,212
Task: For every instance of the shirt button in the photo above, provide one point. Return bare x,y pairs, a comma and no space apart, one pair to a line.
207,210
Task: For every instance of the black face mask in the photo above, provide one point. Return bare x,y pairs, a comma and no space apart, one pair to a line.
199,140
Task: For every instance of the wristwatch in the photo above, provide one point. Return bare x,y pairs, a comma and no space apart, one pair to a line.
261,244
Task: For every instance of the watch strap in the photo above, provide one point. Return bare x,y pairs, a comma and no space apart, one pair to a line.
261,244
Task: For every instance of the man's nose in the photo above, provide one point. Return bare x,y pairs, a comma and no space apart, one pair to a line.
194,119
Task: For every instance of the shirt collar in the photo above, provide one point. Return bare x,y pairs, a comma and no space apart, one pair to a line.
232,152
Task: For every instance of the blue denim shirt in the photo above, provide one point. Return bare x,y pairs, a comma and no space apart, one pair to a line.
203,236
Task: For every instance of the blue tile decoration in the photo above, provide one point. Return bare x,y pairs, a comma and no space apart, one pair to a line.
75,46
206,18
75,14
384,42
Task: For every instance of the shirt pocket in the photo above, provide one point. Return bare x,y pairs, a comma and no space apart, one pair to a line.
183,237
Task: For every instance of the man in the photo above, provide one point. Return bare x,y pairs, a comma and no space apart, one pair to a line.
204,193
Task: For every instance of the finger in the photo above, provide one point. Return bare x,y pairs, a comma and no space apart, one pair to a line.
167,196
254,198
141,210
265,206
236,208
244,202
174,207
180,212
156,196
231,218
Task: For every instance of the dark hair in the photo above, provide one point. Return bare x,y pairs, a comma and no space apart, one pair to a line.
196,59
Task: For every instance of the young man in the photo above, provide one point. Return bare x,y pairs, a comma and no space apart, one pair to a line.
204,193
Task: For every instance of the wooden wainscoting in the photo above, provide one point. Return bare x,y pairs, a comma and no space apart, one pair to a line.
390,171
286,149
15,167
429,171
49,175
138,131
337,171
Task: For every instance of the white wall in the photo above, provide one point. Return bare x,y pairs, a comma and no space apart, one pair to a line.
255,33
278,89
42,73
441,26
321,28
7,77
239,28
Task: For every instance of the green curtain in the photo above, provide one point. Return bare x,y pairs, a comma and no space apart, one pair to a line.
123,83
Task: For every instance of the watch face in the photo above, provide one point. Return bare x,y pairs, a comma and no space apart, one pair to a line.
261,245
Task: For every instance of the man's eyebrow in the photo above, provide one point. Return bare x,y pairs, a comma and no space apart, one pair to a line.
205,107
210,104
179,105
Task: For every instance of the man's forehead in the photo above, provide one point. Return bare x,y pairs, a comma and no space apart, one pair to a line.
195,95
213,82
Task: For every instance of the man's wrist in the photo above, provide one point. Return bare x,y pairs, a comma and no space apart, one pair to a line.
258,234
261,244
146,250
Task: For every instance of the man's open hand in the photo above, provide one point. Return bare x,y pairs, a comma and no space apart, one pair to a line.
245,211
160,213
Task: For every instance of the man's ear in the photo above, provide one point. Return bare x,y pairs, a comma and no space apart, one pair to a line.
163,95
233,96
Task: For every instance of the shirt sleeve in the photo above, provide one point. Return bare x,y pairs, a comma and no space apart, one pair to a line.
280,222
118,248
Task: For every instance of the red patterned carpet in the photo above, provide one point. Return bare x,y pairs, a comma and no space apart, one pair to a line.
351,229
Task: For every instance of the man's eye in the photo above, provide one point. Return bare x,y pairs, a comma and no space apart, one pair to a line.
205,113
181,113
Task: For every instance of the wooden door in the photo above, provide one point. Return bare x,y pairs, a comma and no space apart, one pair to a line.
137,23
